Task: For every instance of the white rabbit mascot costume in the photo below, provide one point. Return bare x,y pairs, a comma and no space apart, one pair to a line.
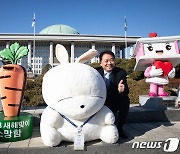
157,56
75,94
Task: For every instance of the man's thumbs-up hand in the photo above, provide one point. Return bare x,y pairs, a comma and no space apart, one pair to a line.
121,86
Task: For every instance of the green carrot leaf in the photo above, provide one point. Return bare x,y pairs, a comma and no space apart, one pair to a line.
14,53
14,47
6,55
21,52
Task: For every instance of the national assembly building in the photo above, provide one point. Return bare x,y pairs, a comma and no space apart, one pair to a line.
42,45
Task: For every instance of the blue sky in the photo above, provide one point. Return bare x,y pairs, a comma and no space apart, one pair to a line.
96,17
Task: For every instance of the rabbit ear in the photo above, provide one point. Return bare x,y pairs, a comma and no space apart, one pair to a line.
91,53
61,54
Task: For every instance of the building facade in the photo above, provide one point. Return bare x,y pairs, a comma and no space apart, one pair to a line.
42,45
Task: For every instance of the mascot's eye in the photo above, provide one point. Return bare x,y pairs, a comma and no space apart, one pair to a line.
168,47
150,48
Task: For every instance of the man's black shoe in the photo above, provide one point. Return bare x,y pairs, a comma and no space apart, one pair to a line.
122,134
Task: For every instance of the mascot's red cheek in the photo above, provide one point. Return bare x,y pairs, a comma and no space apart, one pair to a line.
165,66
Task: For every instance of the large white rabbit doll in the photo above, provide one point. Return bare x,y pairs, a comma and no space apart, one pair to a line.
75,94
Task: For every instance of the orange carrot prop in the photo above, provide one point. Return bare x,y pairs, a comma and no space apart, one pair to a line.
12,79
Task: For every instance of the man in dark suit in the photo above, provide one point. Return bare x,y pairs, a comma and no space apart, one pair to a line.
117,89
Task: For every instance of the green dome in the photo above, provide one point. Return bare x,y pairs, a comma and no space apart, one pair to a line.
58,29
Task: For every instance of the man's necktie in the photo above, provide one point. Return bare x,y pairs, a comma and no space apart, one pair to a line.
106,79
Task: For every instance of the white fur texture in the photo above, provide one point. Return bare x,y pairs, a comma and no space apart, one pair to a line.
77,91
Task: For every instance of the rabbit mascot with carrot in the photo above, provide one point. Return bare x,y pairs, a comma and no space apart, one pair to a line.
75,94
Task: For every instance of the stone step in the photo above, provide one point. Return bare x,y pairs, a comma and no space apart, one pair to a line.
142,114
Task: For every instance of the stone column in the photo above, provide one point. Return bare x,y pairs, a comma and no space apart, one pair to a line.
93,46
29,55
123,53
72,52
51,54
114,48
131,51
7,44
